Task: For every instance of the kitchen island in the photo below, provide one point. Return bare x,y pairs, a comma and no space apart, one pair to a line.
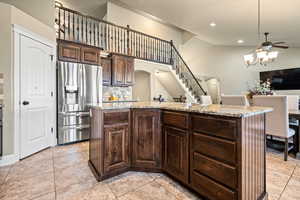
217,151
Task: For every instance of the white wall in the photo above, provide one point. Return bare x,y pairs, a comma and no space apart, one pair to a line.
227,64
42,10
10,15
141,90
95,8
124,17
156,88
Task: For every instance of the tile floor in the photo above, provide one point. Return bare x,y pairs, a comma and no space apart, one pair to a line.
62,173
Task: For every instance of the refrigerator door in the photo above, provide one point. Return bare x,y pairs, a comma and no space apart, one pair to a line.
78,86
70,87
93,85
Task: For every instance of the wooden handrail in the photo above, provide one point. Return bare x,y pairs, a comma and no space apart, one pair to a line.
178,54
110,23
117,39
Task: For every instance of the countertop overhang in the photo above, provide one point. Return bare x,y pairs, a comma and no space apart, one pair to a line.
214,109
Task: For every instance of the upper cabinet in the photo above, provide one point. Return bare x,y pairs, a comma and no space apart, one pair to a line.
68,52
129,71
72,52
122,70
90,55
106,68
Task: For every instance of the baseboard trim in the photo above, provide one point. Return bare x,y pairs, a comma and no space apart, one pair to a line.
8,160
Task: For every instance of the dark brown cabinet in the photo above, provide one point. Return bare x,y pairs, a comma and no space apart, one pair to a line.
118,70
106,67
176,153
122,71
68,52
219,157
129,71
90,55
72,52
116,148
146,139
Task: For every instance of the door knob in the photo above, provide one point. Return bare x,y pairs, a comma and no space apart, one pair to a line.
25,103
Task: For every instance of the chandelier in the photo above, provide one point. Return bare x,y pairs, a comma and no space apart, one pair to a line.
264,54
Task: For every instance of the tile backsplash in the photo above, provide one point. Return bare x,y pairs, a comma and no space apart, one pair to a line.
123,93
1,88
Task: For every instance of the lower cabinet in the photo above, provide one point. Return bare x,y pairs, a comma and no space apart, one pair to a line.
146,139
116,148
176,153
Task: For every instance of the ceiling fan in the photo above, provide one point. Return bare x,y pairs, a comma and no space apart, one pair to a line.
265,52
268,45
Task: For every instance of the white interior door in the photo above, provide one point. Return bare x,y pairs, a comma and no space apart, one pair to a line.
37,75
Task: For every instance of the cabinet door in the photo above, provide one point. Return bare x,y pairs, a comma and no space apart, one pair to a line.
146,139
90,55
116,148
118,70
176,153
106,66
68,52
129,73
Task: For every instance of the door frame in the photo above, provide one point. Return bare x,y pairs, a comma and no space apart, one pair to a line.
17,32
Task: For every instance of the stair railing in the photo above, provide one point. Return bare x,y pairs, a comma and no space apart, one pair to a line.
185,73
74,26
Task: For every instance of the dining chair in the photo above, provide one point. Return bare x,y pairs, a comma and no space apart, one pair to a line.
205,100
239,100
293,104
277,122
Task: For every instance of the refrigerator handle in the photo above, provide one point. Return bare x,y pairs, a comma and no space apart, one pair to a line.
84,83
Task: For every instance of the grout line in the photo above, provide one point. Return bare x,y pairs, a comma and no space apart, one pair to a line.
55,194
172,192
37,197
287,183
133,190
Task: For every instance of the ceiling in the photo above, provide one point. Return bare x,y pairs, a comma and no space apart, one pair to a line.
235,19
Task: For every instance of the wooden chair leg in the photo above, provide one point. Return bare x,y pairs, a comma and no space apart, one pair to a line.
286,149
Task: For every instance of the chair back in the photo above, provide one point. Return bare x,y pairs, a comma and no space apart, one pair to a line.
277,122
238,100
206,100
293,102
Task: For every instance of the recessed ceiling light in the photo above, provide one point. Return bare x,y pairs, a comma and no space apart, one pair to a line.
240,41
213,24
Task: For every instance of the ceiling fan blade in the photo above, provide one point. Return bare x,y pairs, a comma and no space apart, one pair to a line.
281,46
279,42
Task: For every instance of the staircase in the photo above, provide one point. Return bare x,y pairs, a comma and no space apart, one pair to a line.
73,26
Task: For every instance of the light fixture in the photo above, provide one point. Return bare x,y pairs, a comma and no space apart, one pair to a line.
263,54
213,24
240,41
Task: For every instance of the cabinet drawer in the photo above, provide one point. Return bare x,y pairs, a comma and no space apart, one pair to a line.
224,128
218,171
210,189
179,120
116,117
223,150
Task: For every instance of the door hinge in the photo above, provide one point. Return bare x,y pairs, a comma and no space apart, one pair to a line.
52,129
52,57
52,94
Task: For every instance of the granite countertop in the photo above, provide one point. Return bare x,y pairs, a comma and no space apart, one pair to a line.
120,101
214,109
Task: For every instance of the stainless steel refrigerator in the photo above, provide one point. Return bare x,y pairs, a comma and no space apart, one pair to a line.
78,86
